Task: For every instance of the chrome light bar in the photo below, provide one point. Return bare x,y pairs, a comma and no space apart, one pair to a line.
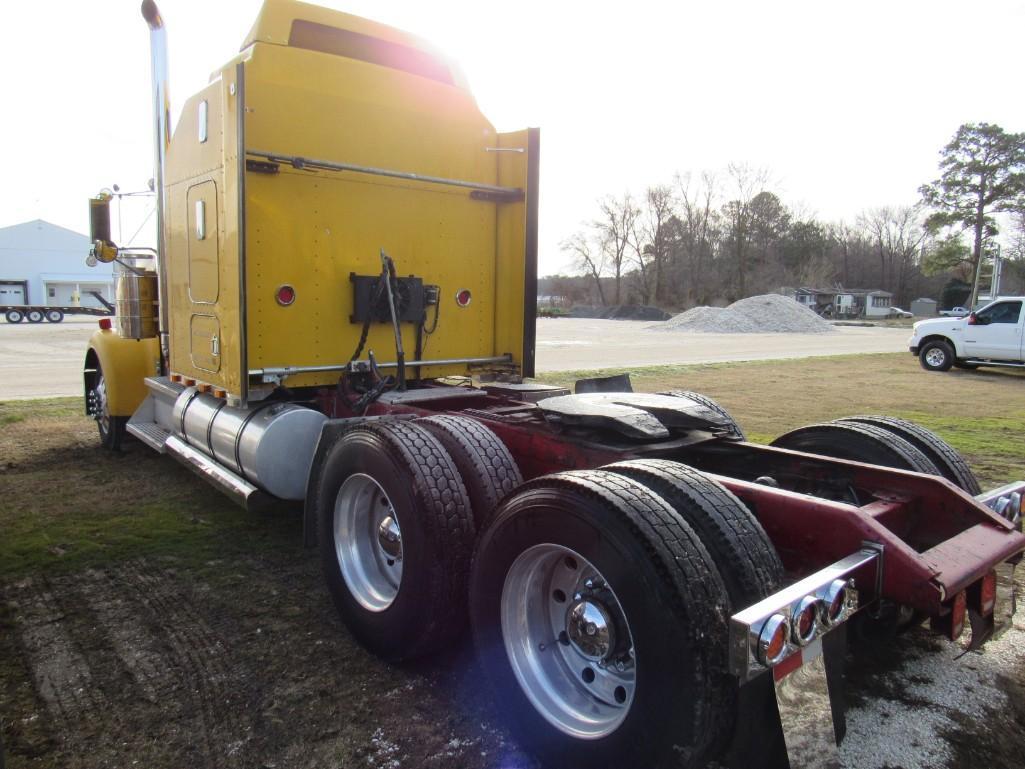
772,630
1007,501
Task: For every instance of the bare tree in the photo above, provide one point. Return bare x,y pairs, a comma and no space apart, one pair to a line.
615,227
697,233
845,237
747,184
650,238
587,258
897,233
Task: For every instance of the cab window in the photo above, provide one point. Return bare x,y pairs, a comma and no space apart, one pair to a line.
1005,312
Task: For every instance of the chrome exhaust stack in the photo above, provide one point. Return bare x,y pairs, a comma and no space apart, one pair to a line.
162,140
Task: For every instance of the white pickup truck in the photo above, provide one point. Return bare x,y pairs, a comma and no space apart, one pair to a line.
991,336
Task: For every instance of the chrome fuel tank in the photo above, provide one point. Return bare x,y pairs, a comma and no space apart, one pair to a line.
270,444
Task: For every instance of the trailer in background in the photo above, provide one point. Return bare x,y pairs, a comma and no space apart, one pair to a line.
37,313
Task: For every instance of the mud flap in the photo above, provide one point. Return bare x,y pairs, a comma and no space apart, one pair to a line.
795,721
791,708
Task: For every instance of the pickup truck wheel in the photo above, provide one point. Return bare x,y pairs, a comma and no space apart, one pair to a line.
945,457
599,618
857,442
34,316
54,316
485,464
396,534
746,558
14,316
936,356
111,428
704,400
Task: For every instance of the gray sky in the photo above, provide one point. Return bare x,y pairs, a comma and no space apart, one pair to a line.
847,104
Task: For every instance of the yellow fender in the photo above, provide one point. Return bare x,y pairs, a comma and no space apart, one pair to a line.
125,363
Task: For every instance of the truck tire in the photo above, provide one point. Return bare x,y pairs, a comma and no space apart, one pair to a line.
14,316
396,537
598,547
746,559
857,442
704,400
111,428
945,457
54,316
34,316
936,355
485,464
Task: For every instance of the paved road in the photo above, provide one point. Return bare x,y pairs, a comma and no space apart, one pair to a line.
45,360
567,344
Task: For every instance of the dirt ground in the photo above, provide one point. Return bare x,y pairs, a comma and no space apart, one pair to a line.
45,360
145,621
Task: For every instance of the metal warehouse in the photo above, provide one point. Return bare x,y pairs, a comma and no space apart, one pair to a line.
44,264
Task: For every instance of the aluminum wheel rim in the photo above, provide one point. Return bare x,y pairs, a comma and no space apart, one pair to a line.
368,542
102,416
579,695
935,357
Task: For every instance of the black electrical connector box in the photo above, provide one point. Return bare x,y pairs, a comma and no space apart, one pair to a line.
409,297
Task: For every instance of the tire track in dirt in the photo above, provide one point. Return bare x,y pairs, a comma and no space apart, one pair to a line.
196,655
61,673
135,645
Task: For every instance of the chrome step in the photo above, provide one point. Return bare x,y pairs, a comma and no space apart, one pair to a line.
239,489
150,433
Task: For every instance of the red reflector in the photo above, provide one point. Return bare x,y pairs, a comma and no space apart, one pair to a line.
989,593
463,297
105,324
788,666
285,295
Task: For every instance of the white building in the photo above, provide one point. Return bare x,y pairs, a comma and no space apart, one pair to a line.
43,264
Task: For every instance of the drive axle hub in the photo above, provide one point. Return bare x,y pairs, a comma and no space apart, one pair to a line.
590,629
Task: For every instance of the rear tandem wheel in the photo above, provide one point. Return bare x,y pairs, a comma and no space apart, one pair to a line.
599,618
395,533
948,461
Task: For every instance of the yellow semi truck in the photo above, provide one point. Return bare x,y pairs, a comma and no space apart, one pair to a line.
340,311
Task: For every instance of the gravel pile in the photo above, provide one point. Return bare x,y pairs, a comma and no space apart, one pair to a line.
765,314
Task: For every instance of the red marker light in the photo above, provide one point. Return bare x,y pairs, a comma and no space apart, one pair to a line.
285,295
463,297
105,324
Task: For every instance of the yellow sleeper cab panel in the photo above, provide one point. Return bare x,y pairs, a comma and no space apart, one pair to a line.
311,229
201,225
319,84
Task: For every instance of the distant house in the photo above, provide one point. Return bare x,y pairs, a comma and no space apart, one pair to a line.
843,302
863,303
44,264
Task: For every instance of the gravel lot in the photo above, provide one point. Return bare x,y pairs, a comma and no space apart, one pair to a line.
46,360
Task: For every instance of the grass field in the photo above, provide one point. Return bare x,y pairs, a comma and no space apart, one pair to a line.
143,617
